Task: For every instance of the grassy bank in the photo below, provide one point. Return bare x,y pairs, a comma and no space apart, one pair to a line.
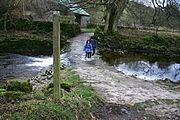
39,105
81,103
29,42
140,41
26,46
33,38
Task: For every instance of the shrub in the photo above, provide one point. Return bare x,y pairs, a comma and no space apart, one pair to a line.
99,34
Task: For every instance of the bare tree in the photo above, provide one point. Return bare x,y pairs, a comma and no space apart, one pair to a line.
5,10
163,11
114,9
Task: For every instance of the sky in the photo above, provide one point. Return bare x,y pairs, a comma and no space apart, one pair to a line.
149,2
145,2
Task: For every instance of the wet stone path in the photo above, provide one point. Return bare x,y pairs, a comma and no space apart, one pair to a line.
115,87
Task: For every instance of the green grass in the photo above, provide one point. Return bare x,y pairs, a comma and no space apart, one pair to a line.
91,30
76,104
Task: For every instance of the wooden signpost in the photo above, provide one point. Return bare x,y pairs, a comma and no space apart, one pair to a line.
57,19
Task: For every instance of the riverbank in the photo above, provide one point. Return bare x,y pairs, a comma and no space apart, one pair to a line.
26,39
76,103
140,41
29,43
79,102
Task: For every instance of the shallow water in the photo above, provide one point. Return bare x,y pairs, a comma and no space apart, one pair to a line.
144,66
15,66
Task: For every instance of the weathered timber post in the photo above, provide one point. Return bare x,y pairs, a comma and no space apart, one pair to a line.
57,19
56,56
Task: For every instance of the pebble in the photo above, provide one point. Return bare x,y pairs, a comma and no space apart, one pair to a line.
41,79
124,111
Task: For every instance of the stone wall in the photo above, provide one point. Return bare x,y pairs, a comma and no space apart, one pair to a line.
85,20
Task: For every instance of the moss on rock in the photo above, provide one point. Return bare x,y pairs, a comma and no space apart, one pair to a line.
65,86
12,94
15,85
26,86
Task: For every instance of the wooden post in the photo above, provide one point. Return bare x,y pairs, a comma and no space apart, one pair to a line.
57,19
56,56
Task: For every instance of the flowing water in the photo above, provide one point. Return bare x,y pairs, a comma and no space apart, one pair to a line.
15,66
148,67
144,66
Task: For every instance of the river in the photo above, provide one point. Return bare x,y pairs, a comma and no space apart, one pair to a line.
15,66
144,66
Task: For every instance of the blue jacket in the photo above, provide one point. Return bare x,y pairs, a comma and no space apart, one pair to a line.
88,47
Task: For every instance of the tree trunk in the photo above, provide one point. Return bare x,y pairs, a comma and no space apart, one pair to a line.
115,26
111,19
121,5
113,14
108,13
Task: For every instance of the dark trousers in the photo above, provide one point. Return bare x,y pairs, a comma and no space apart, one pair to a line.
93,51
88,54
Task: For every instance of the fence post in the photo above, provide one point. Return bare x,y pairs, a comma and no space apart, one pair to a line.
56,56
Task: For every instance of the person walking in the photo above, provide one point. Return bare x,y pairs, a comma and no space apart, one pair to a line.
93,42
88,48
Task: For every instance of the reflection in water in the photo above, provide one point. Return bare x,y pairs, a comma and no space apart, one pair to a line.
146,71
145,66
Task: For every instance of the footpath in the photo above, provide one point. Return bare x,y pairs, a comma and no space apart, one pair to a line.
117,88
